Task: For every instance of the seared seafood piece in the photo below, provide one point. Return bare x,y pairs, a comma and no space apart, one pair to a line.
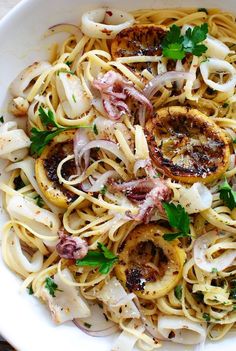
186,145
148,265
46,169
139,40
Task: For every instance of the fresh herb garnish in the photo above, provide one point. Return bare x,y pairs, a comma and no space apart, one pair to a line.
234,308
18,183
214,270
30,290
73,97
40,138
2,119
102,258
179,219
95,129
103,190
199,296
206,316
225,105
69,63
202,9
51,286
175,45
233,289
87,325
39,201
228,195
178,292
63,70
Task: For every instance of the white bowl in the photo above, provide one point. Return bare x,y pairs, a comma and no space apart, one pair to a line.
24,321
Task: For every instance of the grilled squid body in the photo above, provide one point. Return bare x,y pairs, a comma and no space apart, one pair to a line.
187,146
46,169
148,265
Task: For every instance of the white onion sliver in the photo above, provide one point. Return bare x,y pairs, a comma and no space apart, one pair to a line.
80,140
102,180
66,28
199,254
106,145
140,164
186,332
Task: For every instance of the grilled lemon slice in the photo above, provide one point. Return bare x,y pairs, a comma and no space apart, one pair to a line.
187,146
46,169
139,40
149,265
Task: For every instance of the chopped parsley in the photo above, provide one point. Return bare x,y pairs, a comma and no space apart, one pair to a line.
179,219
175,45
30,290
39,201
95,129
40,138
63,70
102,258
73,97
87,325
228,195
51,286
2,119
206,316
199,296
103,190
178,292
202,9
69,63
214,270
225,105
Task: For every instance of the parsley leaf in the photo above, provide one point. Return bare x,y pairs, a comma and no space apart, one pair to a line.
51,286
214,270
206,316
175,45
87,325
192,39
73,97
228,195
178,292
172,44
102,258
202,9
179,219
39,201
103,190
30,290
2,119
95,129
40,138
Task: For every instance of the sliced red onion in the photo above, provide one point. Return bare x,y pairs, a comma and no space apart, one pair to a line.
103,144
156,83
102,180
199,253
80,140
97,324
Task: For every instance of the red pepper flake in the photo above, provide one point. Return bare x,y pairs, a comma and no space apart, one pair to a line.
106,31
109,13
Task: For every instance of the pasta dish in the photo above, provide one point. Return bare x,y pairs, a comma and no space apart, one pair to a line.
121,194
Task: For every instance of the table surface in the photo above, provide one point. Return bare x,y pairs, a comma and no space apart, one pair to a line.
5,6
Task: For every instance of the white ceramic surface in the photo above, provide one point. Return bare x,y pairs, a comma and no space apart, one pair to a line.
24,322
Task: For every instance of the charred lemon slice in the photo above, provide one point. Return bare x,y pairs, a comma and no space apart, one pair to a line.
149,265
186,145
139,40
46,169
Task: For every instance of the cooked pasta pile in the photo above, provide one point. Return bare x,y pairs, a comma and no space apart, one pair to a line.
121,192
